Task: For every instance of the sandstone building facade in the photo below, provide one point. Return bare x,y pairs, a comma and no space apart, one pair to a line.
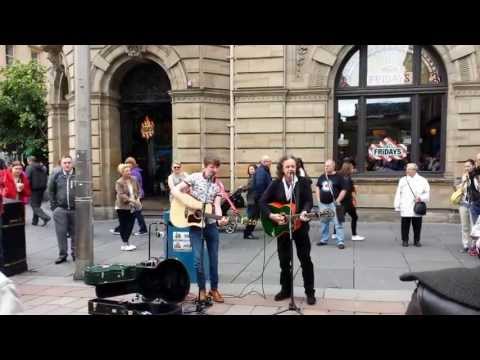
383,105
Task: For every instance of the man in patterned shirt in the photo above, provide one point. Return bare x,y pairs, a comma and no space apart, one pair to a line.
203,186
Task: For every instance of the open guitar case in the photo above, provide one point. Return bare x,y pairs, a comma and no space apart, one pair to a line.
159,286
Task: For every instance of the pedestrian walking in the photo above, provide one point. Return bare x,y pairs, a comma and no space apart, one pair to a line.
253,210
262,177
127,203
349,201
462,185
61,189
38,177
411,189
474,190
330,192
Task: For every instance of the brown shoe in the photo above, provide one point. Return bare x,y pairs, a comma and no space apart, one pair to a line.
202,297
216,296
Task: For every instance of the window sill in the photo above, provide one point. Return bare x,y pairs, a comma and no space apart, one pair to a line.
393,178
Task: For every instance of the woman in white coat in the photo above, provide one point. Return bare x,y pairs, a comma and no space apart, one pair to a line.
405,199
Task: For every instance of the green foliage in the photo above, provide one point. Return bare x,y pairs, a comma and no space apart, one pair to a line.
23,109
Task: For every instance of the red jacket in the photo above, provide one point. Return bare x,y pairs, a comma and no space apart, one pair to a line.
10,190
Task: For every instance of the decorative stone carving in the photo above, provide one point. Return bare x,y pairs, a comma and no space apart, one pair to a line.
135,50
301,52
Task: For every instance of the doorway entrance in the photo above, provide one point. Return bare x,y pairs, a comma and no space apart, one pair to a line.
144,96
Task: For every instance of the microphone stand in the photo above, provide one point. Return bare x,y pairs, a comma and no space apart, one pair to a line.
291,306
201,305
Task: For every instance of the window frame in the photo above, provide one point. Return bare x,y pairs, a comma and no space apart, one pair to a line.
414,91
9,59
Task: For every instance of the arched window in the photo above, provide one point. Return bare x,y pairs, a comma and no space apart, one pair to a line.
391,109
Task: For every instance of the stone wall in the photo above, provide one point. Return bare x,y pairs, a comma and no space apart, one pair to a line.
283,104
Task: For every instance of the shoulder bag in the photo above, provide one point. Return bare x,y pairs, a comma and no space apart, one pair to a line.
420,208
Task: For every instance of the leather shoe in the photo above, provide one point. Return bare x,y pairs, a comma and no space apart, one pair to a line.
417,244
405,243
45,222
311,300
61,259
216,296
282,295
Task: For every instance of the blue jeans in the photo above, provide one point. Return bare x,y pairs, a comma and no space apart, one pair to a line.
211,239
475,211
325,225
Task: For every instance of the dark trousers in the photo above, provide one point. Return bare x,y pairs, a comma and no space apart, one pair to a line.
417,228
36,204
302,242
141,222
64,227
352,211
253,212
126,219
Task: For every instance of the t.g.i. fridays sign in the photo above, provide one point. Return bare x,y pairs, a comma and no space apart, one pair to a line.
387,150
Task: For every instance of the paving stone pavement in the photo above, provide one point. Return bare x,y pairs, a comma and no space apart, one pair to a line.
362,279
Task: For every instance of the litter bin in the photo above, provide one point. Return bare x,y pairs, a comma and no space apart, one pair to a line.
13,238
178,247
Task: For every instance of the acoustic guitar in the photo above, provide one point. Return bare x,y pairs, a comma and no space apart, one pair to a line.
186,211
274,230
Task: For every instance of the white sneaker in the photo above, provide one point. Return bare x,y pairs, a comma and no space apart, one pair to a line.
124,248
131,247
358,238
334,236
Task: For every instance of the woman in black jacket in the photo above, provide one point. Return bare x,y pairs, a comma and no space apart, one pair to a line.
290,186
350,201
252,207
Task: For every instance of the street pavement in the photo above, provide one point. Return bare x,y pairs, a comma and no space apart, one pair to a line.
361,279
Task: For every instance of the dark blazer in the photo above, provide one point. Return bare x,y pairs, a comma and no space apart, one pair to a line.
276,192
262,179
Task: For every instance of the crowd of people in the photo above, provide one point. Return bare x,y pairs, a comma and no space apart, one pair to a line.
335,191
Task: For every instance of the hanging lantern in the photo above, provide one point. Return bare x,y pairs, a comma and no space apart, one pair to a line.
147,128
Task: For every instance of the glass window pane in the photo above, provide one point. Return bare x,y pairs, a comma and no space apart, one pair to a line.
347,130
389,137
351,71
430,132
430,69
389,65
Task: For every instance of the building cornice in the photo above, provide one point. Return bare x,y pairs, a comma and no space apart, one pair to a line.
466,89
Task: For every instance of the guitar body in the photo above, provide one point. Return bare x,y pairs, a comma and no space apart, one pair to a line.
272,228
186,211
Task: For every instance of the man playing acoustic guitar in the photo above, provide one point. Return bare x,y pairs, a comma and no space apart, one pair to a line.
290,186
204,188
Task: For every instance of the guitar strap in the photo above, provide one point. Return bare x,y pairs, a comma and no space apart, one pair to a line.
224,195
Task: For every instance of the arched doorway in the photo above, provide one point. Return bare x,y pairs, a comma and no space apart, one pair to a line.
144,94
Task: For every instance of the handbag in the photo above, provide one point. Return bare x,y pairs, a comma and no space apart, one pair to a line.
456,197
420,208
339,209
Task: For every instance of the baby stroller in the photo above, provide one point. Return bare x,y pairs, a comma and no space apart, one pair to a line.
237,199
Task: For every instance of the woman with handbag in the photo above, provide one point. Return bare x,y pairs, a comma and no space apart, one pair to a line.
413,191
460,198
